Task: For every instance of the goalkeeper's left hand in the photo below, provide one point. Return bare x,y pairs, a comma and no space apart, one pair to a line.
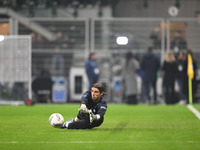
93,117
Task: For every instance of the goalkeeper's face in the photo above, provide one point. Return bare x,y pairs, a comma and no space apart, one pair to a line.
96,95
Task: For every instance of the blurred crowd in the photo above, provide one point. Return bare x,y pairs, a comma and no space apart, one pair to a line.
17,4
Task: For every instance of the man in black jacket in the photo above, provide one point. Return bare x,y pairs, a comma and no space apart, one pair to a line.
150,65
92,109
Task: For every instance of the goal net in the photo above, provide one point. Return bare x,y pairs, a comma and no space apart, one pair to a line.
15,69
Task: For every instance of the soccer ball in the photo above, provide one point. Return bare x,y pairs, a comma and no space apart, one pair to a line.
56,120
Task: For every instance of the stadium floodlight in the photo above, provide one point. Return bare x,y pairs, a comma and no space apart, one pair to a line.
1,38
122,40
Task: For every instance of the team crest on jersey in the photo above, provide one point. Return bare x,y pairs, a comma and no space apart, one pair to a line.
84,95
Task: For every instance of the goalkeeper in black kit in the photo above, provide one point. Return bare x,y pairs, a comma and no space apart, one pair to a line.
92,109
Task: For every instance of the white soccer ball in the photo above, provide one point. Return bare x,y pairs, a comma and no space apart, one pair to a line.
56,120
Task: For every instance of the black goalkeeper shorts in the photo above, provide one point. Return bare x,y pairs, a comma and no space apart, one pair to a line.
85,124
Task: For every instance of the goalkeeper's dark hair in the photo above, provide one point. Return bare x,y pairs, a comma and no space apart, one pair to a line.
100,87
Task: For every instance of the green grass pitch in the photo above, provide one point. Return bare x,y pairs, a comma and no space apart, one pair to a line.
125,127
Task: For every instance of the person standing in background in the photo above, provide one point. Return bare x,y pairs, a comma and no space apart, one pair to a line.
180,75
156,38
169,69
92,69
178,43
150,65
130,78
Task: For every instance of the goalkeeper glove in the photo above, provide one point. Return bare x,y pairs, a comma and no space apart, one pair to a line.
93,117
84,109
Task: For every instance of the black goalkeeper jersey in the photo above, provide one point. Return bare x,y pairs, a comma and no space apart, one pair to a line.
97,108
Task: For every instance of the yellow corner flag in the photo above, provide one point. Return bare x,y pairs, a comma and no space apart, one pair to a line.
190,73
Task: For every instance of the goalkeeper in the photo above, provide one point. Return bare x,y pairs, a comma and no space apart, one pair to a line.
92,109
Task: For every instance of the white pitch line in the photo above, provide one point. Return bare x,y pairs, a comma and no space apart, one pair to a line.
99,142
194,110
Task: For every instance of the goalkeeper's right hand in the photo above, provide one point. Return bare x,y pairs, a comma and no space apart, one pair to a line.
84,109
93,117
